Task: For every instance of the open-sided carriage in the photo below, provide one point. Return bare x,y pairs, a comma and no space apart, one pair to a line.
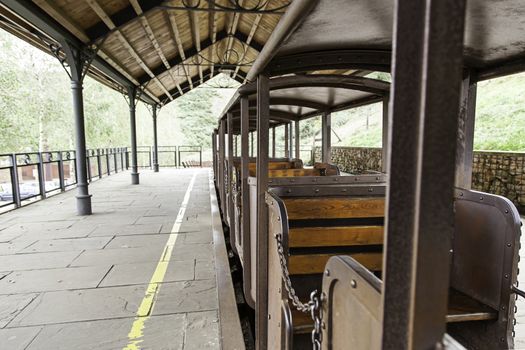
410,258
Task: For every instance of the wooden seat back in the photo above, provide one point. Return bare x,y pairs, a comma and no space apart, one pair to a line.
313,230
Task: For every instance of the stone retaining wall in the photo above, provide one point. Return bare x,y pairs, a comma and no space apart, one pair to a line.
501,173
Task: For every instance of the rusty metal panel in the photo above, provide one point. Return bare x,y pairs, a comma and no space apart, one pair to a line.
485,264
427,70
231,189
280,330
261,300
351,307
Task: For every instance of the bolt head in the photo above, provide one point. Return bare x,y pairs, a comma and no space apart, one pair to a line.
353,283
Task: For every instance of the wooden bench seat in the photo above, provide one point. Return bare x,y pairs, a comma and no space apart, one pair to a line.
309,264
315,229
461,308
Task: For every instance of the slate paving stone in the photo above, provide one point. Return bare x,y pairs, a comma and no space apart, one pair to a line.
187,296
192,251
61,245
37,260
118,256
128,274
117,249
205,237
53,279
81,305
202,330
116,230
204,269
160,332
12,305
17,338
137,241
16,245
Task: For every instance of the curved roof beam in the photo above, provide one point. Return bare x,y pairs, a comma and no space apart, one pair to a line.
336,81
190,53
285,101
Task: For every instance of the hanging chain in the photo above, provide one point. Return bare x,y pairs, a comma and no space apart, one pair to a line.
313,306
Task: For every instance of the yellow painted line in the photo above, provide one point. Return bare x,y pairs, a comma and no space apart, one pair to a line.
136,334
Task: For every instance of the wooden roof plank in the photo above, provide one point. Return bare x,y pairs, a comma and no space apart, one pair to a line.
121,18
212,29
149,32
253,29
195,34
95,6
178,42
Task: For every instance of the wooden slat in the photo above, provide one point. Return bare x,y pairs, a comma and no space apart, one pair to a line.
178,42
315,263
334,208
291,172
95,6
302,322
335,236
272,166
462,308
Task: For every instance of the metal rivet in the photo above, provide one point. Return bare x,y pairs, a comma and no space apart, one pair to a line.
323,325
506,275
503,307
506,211
461,194
481,198
509,245
353,283
316,190
327,272
289,191
269,316
502,340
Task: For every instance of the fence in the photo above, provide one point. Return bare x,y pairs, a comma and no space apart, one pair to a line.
26,177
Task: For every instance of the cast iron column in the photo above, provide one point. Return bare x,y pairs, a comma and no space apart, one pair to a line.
261,295
132,95
77,66
286,139
326,132
384,136
155,143
297,135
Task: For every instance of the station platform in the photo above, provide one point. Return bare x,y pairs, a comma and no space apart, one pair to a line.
148,270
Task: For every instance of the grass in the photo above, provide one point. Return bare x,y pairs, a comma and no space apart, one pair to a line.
500,119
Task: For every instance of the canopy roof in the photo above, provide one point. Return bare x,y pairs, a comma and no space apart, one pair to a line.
300,97
358,34
166,47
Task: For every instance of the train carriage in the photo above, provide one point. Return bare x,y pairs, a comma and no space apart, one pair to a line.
408,258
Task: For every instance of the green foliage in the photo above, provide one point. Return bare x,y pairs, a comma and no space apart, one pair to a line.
500,118
196,116
36,108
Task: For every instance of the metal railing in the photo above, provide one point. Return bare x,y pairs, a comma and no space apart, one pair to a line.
31,176
27,177
194,150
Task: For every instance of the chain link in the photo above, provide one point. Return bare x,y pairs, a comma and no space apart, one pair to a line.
313,306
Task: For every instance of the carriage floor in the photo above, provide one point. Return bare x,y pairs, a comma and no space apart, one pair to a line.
140,273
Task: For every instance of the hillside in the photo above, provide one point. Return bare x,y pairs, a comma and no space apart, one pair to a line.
500,119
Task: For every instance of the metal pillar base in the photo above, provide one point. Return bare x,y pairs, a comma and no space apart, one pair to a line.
156,168
83,204
135,178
